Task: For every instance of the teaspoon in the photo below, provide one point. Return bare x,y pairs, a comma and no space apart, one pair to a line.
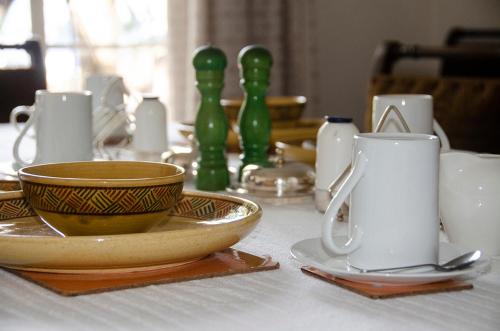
458,263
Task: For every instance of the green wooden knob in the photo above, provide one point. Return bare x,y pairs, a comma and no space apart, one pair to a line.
211,124
254,120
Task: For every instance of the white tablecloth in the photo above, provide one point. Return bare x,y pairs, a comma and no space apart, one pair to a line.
283,299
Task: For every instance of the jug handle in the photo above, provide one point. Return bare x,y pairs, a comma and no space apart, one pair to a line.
346,184
443,138
17,143
107,90
386,112
21,110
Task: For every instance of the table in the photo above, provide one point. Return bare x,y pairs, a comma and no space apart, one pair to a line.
283,299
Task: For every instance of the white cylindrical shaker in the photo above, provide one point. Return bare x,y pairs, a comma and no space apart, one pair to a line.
150,135
333,154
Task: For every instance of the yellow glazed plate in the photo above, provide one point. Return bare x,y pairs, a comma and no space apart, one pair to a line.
297,153
304,129
202,223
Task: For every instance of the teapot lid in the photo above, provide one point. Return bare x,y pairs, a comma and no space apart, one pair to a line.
283,180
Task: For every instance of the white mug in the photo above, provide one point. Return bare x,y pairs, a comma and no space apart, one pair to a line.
393,218
63,127
417,111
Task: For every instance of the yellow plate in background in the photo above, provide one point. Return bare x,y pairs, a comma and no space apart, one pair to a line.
297,153
304,129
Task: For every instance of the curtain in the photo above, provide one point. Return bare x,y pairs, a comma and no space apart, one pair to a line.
285,27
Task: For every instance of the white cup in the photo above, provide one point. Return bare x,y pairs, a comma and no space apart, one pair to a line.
417,111
393,218
63,127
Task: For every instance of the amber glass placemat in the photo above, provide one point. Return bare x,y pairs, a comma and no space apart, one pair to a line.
382,292
224,263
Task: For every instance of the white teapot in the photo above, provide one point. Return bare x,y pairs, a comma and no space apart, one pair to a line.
469,199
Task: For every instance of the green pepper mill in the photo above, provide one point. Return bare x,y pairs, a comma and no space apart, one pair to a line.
254,120
211,125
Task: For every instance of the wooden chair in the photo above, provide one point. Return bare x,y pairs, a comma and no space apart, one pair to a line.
486,39
18,86
468,108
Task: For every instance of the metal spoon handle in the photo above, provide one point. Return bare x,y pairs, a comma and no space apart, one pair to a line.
405,267
458,263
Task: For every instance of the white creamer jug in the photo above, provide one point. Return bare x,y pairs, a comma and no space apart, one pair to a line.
469,200
333,155
150,135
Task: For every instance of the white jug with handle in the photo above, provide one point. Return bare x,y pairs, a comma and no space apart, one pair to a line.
393,183
393,219
417,110
109,115
63,127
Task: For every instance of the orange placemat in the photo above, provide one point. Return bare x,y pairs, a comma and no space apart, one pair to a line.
224,263
383,292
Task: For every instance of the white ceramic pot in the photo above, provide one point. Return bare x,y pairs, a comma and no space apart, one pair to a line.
333,155
469,200
150,126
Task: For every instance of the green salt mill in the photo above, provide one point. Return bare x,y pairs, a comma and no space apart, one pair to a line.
211,124
254,120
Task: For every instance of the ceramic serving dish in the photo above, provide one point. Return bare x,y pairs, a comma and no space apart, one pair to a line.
198,225
9,185
304,129
99,198
297,152
285,111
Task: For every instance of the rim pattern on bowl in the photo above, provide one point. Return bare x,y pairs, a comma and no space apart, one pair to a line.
101,200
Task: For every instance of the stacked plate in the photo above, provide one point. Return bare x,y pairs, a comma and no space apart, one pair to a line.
199,225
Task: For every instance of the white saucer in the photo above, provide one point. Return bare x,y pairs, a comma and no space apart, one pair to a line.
310,252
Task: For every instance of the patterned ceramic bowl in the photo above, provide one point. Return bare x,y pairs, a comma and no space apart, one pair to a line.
103,197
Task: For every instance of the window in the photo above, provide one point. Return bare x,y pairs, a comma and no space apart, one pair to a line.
124,37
